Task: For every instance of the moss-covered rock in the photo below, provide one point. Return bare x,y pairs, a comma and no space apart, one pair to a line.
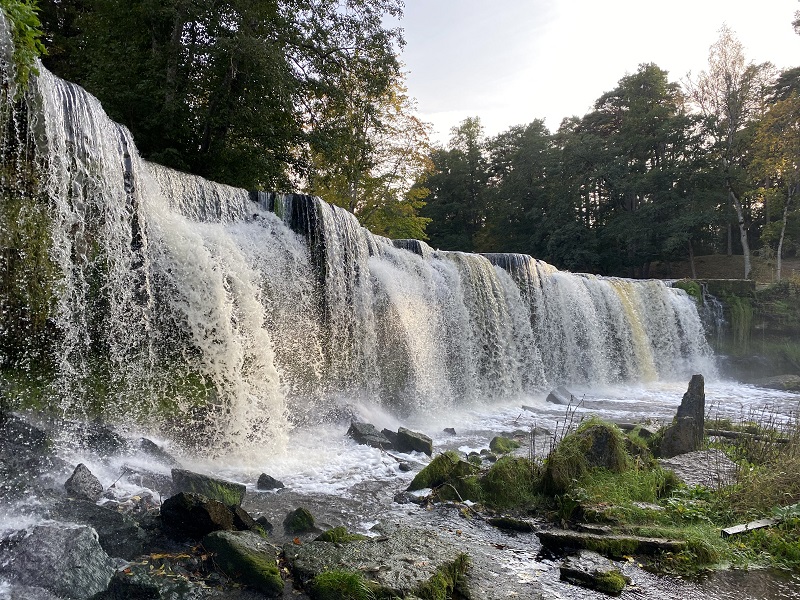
445,468
341,585
339,535
227,492
299,520
512,482
247,558
591,570
503,445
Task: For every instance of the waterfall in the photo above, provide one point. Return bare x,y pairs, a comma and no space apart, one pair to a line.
226,316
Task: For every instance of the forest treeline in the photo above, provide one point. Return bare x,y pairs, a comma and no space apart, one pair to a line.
310,95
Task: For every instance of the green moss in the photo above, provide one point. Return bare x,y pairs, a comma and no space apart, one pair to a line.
299,521
340,535
611,582
510,483
341,585
448,578
444,468
240,561
692,288
503,445
741,313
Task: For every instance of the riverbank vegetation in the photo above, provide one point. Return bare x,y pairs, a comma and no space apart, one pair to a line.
599,479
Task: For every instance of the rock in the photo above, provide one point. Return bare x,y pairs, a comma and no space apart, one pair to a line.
227,492
265,524
449,431
404,466
391,436
25,453
408,498
142,582
247,558
788,383
560,395
591,570
445,468
408,441
83,484
403,562
118,534
266,482
559,540
155,451
365,433
26,592
686,432
195,516
159,482
102,440
511,524
708,468
67,561
299,520
503,445
242,521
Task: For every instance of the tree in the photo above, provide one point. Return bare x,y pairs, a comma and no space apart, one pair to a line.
366,157
457,184
227,89
730,94
776,162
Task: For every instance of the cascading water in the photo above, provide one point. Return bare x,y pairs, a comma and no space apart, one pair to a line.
192,303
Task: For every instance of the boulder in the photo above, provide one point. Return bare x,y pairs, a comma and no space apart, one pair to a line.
248,559
299,520
155,451
589,569
65,560
503,445
401,562
367,434
140,581
119,535
102,440
195,516
265,524
227,492
445,468
789,383
411,441
560,395
25,452
686,432
83,484
391,436
449,431
267,482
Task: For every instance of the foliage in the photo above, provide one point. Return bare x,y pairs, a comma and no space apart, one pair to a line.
341,585
511,482
447,580
340,535
26,36
503,445
442,469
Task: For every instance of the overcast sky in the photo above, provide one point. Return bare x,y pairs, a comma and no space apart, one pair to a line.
512,61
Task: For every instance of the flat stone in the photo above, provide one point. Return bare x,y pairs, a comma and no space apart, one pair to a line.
408,441
708,468
560,395
247,558
399,561
589,569
559,540
227,492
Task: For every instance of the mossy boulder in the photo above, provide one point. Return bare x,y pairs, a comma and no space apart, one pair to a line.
194,516
589,569
445,468
248,559
503,445
299,520
512,482
227,492
339,535
594,445
341,585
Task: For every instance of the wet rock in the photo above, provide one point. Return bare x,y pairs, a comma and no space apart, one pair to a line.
391,436
142,582
67,561
158,482
560,395
155,451
511,524
299,520
83,484
408,498
708,468
408,441
242,521
25,453
503,445
367,434
102,440
686,432
26,592
267,482
402,562
788,383
195,516
227,492
589,569
119,535
615,545
449,430
404,466
265,524
445,468
248,559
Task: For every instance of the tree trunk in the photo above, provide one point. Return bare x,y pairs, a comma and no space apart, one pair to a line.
783,233
730,240
742,231
691,260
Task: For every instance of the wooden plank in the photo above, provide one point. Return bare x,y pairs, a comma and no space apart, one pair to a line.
760,524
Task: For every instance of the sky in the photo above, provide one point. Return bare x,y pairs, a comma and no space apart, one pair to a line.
512,61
